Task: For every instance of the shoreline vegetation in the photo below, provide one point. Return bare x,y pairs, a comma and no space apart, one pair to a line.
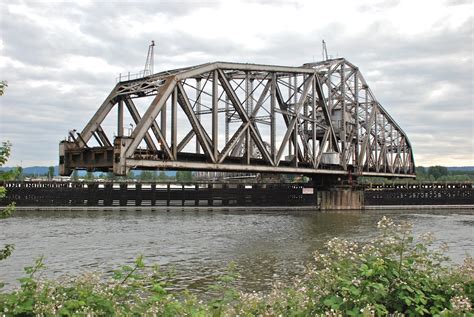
394,274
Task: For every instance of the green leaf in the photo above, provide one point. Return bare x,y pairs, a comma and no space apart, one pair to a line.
139,261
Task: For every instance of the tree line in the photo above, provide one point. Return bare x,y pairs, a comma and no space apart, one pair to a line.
442,173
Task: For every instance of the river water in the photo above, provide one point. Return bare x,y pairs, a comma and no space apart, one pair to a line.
266,245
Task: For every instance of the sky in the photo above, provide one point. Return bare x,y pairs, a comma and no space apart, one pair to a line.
61,59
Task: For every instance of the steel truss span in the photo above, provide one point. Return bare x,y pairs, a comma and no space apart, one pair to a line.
320,118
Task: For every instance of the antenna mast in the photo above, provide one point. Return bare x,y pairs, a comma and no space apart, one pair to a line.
325,52
149,60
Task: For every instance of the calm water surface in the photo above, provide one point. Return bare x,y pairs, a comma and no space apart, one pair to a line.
265,245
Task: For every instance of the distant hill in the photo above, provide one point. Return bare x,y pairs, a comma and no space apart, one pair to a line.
33,170
461,168
43,170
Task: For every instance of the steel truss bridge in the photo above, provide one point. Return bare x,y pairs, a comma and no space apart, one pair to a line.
320,118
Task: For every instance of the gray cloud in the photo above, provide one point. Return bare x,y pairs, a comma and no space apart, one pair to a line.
423,79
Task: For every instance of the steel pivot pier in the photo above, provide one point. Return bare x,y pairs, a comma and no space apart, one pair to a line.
317,119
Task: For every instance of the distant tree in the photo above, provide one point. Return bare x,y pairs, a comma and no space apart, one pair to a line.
110,176
437,171
89,176
12,174
184,176
19,174
130,175
50,172
420,170
147,175
75,175
162,176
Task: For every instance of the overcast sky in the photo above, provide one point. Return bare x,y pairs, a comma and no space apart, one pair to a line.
61,59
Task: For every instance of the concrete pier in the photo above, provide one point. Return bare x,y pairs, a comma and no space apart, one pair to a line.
341,199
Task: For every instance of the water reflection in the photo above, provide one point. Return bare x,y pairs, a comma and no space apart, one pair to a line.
265,245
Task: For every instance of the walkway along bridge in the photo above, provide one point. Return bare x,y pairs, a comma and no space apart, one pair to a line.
320,119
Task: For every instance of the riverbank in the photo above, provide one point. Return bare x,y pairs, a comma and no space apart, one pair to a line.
394,272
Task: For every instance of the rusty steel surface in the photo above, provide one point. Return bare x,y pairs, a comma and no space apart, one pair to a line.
317,119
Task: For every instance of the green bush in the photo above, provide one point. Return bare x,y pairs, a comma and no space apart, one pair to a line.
391,274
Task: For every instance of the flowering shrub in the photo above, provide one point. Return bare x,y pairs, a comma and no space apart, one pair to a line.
392,274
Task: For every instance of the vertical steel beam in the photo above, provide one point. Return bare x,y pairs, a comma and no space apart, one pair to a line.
215,113
247,147
272,116
356,93
227,119
250,108
305,126
376,137
330,96
248,90
120,118
198,109
163,121
295,140
343,135
367,129
313,122
391,148
174,122
383,154
290,92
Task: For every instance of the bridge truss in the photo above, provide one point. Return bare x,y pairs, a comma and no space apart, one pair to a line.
320,118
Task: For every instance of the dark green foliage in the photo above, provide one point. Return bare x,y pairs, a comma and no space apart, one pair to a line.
89,176
424,174
5,149
437,171
130,175
184,176
147,176
7,211
50,172
6,251
162,176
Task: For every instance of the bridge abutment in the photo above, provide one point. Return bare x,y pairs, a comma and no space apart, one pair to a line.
341,199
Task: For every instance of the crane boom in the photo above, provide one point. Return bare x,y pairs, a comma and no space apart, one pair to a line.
149,60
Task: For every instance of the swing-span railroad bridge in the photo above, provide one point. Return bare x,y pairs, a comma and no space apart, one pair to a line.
320,119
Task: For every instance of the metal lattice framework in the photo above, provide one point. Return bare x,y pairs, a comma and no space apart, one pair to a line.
321,118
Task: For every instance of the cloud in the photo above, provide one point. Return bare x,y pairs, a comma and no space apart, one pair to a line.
61,59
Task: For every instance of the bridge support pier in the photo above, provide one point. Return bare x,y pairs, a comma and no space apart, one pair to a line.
341,199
